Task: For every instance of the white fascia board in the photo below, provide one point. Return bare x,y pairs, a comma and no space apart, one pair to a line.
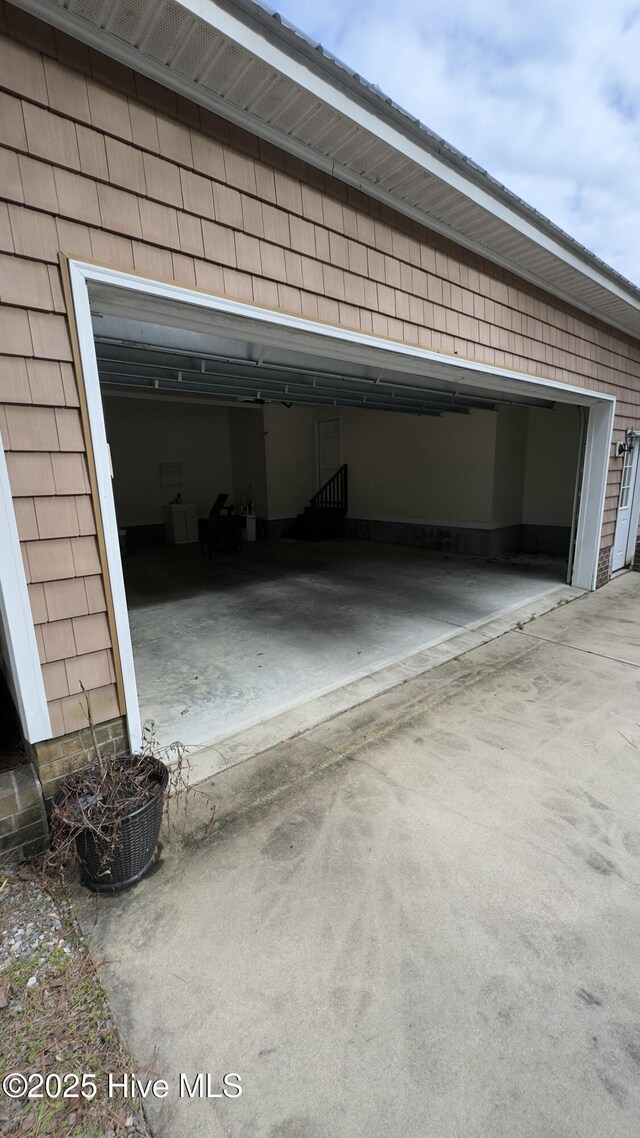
262,48
17,620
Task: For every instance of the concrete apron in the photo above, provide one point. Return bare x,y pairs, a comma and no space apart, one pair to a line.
261,739
432,931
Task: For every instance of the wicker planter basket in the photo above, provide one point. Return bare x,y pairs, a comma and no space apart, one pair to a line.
123,853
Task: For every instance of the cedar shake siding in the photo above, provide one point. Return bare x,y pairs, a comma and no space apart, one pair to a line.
100,163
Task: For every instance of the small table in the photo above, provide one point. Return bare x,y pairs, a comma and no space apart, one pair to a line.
180,523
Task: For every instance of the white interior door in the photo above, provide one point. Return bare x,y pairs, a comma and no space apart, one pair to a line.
329,448
627,511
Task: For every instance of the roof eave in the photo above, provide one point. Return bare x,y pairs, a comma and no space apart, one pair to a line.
562,267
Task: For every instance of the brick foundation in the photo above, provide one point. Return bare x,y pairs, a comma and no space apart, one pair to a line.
24,831
604,567
55,758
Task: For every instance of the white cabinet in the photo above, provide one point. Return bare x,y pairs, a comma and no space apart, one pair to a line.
180,524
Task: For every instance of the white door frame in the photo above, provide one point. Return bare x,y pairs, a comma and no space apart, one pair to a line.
16,618
634,510
319,420
287,331
634,521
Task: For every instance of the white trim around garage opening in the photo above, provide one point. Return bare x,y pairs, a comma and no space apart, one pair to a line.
594,487
19,635
102,460
281,328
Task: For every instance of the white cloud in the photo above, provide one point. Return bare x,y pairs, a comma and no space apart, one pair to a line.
544,96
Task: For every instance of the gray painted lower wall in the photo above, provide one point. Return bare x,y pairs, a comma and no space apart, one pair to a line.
545,539
479,541
275,528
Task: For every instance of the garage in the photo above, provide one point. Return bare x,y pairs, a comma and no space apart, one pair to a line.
295,509
296,400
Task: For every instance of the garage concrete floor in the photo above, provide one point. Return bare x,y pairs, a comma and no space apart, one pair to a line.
434,933
221,645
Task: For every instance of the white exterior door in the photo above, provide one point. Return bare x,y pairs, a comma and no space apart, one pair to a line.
329,448
627,520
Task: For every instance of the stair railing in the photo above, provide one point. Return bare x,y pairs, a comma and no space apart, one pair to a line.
334,494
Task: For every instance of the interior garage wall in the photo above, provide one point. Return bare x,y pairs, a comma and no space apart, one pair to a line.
418,467
487,482
289,447
402,468
145,432
246,428
412,478
553,440
509,465
551,464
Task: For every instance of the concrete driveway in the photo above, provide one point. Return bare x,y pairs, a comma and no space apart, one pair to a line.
434,931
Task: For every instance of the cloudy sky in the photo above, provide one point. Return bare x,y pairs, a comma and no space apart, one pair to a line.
544,95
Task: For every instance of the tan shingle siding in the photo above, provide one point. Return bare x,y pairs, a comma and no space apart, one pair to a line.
69,428
26,519
10,176
32,428
38,604
93,670
30,474
94,589
70,474
91,633
34,233
12,129
65,599
14,382
56,684
58,640
50,136
104,704
57,517
6,236
85,556
49,560
50,336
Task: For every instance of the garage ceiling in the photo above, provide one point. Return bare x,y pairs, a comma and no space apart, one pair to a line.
134,354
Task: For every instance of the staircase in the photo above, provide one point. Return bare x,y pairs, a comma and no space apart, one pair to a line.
323,518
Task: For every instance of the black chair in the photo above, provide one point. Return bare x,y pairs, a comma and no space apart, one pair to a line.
219,505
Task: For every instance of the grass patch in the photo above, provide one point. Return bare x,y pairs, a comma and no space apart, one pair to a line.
62,1024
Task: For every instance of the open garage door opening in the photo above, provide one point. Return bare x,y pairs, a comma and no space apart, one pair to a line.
295,513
